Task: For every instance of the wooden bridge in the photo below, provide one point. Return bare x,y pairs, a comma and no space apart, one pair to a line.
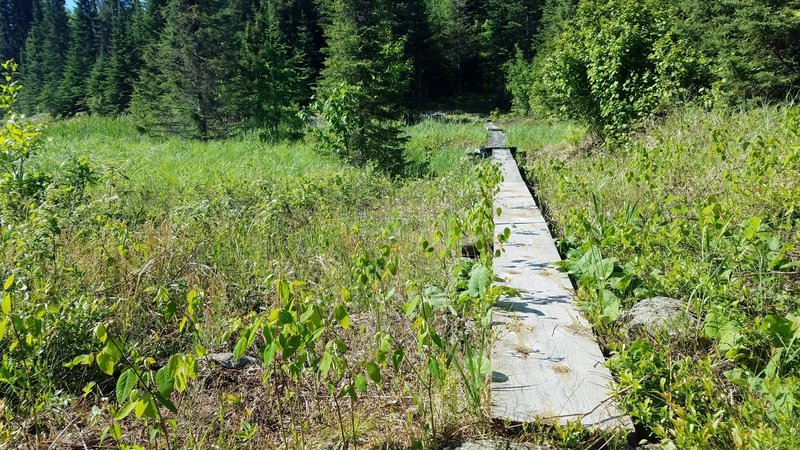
547,365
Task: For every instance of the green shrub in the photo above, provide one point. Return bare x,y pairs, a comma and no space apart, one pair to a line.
616,63
520,79
754,46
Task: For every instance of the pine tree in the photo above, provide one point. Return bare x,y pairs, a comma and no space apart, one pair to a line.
44,56
80,59
118,64
300,23
509,26
365,60
269,82
124,60
178,90
458,43
16,19
413,24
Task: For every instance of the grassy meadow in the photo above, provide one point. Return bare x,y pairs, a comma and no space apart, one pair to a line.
153,251
701,207
346,286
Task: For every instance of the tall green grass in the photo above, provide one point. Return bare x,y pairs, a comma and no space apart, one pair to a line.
533,135
225,218
171,162
702,207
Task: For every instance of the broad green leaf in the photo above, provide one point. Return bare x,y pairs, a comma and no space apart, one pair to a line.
611,306
385,343
725,330
436,297
397,358
308,314
113,347
290,346
146,407
9,282
125,384
341,315
285,317
411,306
5,304
360,383
736,376
240,347
268,354
433,366
100,332
164,400
105,362
165,381
123,413
374,372
141,404
480,278
752,227
781,329
325,364
173,364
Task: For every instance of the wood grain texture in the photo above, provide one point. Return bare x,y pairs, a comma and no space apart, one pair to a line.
547,365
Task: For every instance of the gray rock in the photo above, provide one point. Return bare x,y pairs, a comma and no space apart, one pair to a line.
227,361
658,314
492,445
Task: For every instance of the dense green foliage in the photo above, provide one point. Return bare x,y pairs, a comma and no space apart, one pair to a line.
612,63
128,257
271,78
361,88
216,67
703,208
45,52
254,176
17,17
616,63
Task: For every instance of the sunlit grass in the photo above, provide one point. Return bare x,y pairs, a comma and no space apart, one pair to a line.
533,135
116,143
170,162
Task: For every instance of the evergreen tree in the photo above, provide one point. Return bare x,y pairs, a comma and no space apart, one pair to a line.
367,62
268,87
300,23
755,45
44,57
509,26
458,40
111,82
412,23
16,19
178,90
80,59
124,60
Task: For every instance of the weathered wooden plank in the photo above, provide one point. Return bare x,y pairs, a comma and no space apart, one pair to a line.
547,365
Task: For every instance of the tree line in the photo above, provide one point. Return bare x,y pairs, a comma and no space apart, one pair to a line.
209,68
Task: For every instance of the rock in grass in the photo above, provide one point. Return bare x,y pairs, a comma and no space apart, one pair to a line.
227,360
658,314
469,248
492,445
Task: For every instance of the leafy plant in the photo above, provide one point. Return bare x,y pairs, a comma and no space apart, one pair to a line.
617,63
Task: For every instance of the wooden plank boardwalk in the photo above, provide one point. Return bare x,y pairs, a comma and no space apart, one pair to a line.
547,365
